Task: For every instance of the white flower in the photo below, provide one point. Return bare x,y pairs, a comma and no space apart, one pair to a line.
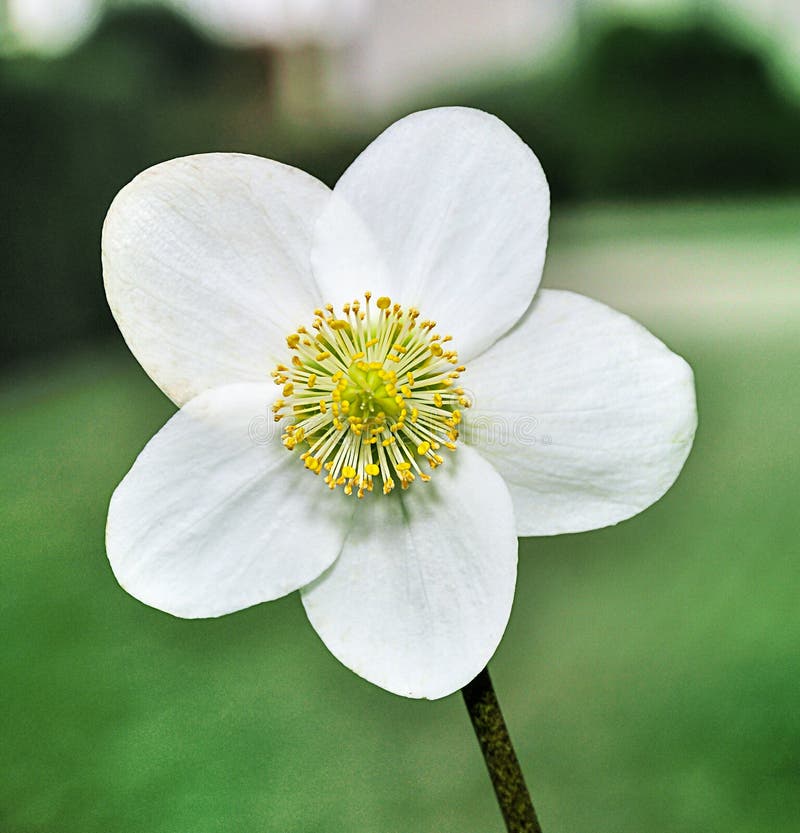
213,264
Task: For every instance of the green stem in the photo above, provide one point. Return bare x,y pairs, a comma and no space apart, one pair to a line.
498,752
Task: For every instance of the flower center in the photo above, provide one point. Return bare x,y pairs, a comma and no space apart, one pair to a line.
370,395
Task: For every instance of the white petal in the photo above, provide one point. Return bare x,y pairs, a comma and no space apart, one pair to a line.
420,596
206,261
587,416
216,515
456,206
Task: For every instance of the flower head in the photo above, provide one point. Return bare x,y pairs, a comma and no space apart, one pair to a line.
374,400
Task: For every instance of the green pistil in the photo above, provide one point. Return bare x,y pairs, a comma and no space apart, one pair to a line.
368,396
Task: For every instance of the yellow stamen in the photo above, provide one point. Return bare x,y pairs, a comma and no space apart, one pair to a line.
383,395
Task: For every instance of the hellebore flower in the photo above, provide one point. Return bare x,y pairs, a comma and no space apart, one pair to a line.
387,476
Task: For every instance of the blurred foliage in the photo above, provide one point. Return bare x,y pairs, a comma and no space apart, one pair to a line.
635,111
654,112
75,129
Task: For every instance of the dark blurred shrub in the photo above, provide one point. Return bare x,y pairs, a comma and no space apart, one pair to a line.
146,86
653,112
60,163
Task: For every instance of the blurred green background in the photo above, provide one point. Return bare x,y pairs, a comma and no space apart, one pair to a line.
650,671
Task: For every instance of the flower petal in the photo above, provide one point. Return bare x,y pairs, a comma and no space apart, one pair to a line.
206,261
216,515
588,417
420,596
456,206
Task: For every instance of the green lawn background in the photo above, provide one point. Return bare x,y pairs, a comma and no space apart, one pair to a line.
649,672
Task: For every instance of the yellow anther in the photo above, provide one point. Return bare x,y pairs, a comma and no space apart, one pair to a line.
372,342
322,406
406,391
436,349
323,355
359,355
399,348
371,468
404,466
288,389
312,463
414,414
312,380
423,448
293,340
383,302
437,400
410,377
338,324
348,471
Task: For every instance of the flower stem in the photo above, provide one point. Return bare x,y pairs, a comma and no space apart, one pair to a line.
498,752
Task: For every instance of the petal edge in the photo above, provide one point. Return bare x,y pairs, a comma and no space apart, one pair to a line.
587,415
